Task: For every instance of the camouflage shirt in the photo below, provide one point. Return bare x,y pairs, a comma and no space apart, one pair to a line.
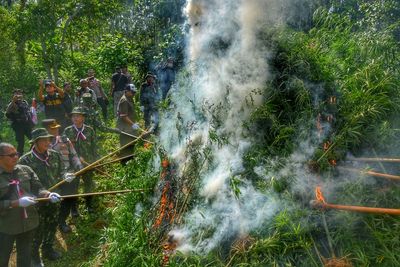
149,95
70,158
49,167
84,141
21,182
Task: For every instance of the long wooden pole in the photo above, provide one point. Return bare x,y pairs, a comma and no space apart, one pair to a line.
113,161
362,209
97,161
134,136
95,194
374,159
372,173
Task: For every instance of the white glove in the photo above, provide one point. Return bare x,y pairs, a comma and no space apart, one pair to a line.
69,177
54,197
141,108
135,126
26,202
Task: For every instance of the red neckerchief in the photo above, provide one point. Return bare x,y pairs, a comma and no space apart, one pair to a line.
20,192
79,134
45,160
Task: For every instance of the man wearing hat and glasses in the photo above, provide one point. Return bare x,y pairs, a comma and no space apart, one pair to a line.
48,166
19,186
84,140
72,163
127,120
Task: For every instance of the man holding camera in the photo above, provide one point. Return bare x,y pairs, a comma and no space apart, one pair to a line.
53,102
18,112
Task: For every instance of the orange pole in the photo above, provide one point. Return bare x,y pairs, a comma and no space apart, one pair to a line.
372,173
320,204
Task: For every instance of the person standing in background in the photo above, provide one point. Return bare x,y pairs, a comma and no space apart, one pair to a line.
118,83
95,85
53,102
18,112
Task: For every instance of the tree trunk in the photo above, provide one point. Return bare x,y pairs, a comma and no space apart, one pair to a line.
46,59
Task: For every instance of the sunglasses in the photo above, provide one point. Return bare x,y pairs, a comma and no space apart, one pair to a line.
13,155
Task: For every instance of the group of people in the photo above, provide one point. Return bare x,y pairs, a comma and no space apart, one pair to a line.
63,145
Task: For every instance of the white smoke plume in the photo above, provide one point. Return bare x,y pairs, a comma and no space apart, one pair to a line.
227,66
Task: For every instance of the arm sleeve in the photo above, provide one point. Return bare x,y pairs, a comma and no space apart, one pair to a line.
11,110
76,162
40,94
36,186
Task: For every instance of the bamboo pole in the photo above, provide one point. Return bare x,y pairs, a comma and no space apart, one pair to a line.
134,136
362,209
372,173
95,194
374,159
97,161
112,161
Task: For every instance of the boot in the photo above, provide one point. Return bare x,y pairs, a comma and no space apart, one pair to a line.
65,228
51,254
36,261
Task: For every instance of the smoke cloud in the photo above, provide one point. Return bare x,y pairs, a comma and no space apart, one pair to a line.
227,65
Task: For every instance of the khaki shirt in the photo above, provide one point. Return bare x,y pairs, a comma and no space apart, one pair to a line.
126,108
18,220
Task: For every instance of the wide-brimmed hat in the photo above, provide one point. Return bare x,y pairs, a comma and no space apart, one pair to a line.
40,133
50,123
78,110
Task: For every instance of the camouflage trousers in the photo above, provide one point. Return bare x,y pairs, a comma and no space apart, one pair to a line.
46,232
88,187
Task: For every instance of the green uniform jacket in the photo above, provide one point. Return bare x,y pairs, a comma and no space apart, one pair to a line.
49,174
13,220
85,147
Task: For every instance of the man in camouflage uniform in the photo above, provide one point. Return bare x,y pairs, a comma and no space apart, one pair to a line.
19,186
48,166
149,99
92,116
72,163
84,140
127,120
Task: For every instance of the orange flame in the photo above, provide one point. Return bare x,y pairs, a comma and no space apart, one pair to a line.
327,144
318,194
147,145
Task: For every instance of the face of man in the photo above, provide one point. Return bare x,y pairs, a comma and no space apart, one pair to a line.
53,131
91,73
84,84
78,120
42,144
50,89
150,80
67,88
8,159
129,94
18,97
